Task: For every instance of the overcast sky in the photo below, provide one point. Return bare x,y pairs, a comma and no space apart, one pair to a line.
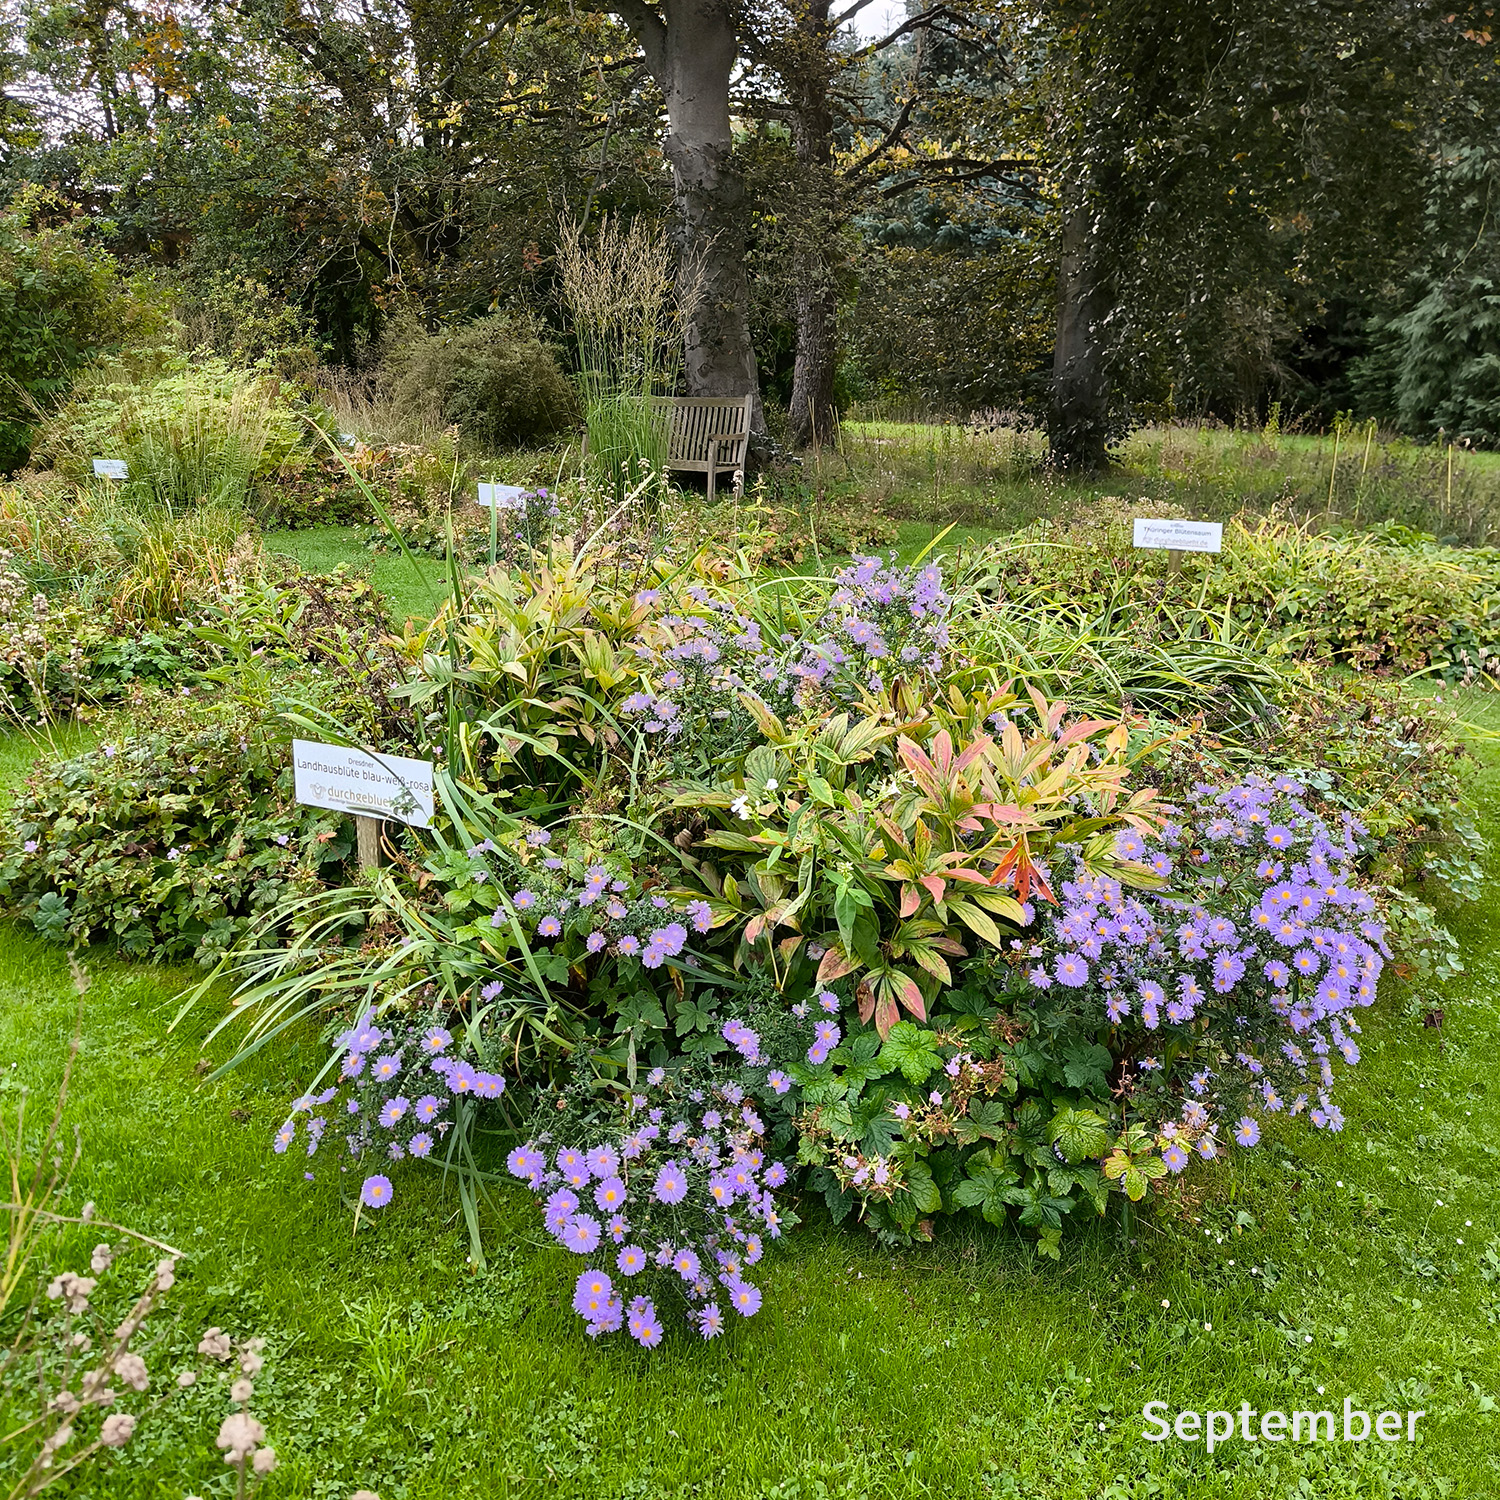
878,19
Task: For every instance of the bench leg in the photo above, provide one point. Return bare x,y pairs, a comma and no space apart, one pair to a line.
712,476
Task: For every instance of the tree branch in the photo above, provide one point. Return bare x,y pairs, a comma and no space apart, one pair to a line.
650,31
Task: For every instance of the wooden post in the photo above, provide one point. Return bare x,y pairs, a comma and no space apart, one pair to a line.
1174,561
367,832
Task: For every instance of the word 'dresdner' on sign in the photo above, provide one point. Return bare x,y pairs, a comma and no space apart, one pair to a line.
1180,536
503,495
111,468
355,781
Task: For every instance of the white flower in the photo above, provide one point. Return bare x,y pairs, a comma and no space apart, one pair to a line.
740,807
772,783
238,1434
99,1261
131,1368
264,1460
118,1429
215,1344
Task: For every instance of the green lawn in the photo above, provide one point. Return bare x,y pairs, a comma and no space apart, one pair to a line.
413,588
1366,1263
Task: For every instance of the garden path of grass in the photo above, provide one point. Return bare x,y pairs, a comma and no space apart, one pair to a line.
967,1368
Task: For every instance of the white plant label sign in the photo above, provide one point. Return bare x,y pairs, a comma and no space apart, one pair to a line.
506,496
111,468
1180,536
355,781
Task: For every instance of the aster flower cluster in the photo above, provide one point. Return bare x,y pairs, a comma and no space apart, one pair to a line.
1237,985
400,1086
881,622
597,908
672,1204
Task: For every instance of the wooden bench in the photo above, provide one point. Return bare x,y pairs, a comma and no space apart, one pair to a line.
708,436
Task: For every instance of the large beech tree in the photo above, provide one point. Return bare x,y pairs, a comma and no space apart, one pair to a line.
691,47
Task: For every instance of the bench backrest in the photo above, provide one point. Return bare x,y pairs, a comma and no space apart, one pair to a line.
699,422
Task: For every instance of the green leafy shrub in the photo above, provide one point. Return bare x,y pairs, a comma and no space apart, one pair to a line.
169,841
195,433
495,379
62,303
1384,598
239,319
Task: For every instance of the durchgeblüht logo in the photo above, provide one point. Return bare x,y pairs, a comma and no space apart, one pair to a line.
1247,1425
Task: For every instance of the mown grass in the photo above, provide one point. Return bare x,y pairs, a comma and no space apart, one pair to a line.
414,588
1367,1264
929,476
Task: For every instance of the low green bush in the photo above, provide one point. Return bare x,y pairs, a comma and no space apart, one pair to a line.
1386,598
170,840
62,303
495,379
192,432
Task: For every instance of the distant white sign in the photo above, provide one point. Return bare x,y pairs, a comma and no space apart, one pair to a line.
354,781
506,496
1180,536
111,468
348,439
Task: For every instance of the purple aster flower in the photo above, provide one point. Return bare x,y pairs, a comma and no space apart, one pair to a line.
645,1327
522,1162
710,1321
610,1195
523,900
1175,1158
671,1184
595,942
744,1297
631,1260
428,1108
284,1137
462,1079
1247,1132
775,1174
420,1144
629,945
366,1035
393,1111
1071,969
435,1039
386,1067
778,1081
548,927
591,1286
581,1234
376,1191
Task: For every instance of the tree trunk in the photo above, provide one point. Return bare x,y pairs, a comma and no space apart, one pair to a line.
1078,423
690,47
812,417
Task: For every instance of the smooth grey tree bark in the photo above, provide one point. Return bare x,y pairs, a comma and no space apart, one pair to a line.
690,46
812,416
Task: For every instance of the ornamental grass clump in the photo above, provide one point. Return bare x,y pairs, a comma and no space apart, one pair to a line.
670,1199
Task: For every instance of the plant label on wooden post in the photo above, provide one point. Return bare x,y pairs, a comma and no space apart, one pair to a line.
1177,537
504,496
369,786
111,468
